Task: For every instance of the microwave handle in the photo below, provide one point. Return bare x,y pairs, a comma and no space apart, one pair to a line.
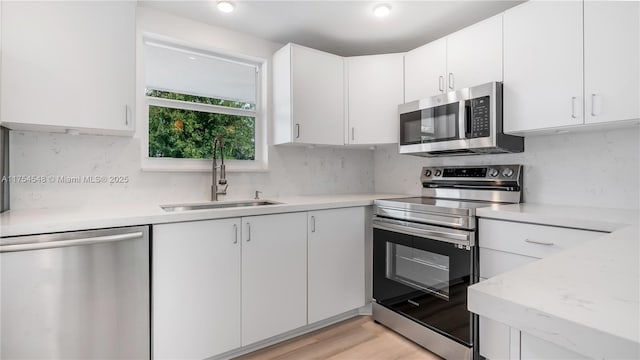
469,119
462,120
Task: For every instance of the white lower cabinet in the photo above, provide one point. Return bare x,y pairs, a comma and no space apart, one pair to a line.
336,262
274,275
218,285
222,284
492,339
196,289
534,348
507,245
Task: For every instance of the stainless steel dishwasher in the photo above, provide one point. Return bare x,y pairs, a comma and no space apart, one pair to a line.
79,295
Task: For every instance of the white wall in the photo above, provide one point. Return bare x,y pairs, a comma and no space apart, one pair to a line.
292,170
585,169
599,169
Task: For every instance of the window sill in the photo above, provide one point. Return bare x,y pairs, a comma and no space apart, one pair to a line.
203,166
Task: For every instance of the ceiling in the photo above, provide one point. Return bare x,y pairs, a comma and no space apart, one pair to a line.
344,28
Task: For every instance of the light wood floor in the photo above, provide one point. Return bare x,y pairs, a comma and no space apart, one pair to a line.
357,338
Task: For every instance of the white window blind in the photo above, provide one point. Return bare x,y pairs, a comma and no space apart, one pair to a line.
185,71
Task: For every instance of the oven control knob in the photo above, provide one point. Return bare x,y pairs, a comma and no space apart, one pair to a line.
507,172
493,172
427,173
438,173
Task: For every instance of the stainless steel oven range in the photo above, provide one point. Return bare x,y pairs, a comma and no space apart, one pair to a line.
425,255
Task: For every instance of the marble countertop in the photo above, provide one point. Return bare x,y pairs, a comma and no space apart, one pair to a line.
39,221
586,298
589,218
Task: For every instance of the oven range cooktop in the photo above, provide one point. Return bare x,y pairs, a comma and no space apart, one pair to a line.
425,255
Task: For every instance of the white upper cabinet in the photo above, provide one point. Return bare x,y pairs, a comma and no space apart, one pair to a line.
469,57
308,96
543,66
68,65
552,80
611,60
425,69
336,262
274,275
474,54
375,91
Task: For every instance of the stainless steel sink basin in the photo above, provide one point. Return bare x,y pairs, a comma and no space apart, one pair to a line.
216,205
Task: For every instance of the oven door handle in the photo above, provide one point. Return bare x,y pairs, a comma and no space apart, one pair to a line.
424,231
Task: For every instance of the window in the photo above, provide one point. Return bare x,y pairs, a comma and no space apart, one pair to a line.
191,97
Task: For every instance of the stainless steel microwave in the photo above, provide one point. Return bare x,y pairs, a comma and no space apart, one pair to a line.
463,122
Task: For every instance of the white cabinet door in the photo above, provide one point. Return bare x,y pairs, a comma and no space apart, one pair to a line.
308,96
196,288
543,66
534,348
336,262
68,65
612,60
376,88
474,54
495,339
424,71
274,275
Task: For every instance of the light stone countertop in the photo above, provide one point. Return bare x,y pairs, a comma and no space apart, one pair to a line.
40,221
589,218
586,298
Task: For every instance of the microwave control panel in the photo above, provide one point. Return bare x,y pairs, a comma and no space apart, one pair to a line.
480,117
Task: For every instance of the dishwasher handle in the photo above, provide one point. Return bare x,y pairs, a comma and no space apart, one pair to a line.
74,242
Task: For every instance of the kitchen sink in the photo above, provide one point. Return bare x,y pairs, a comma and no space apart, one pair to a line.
217,205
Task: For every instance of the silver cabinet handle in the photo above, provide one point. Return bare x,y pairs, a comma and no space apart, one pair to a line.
235,237
539,242
313,224
353,133
573,107
66,243
441,83
126,115
593,105
248,232
297,131
451,81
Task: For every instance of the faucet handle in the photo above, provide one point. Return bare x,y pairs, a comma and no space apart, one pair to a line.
257,197
223,191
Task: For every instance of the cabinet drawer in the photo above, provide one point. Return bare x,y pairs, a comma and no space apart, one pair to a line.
534,348
530,240
493,262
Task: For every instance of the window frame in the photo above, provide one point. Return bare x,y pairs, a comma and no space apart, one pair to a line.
260,162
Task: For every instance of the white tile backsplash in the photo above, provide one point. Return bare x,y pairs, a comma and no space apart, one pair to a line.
292,171
599,168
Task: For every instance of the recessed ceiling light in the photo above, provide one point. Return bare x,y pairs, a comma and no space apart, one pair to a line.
192,57
381,10
225,6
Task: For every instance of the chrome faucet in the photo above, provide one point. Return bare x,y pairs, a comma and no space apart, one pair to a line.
217,142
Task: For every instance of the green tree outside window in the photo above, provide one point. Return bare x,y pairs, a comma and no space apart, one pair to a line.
181,133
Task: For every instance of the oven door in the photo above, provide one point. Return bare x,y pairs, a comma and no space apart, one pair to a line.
423,272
